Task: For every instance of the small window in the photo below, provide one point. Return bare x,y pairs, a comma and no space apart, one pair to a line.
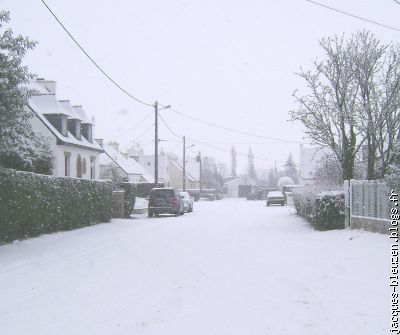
84,166
79,166
92,167
67,164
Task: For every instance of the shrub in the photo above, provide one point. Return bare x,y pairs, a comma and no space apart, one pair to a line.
33,204
329,210
129,197
143,189
324,210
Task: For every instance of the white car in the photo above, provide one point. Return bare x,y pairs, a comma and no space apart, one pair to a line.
187,201
275,198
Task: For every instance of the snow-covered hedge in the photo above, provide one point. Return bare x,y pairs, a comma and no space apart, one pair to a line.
324,210
33,204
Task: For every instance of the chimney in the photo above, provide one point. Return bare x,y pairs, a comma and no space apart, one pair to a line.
49,85
100,141
115,145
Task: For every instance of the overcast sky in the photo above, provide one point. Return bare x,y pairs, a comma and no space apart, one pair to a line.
229,62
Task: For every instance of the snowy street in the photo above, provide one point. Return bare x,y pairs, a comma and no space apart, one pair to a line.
230,267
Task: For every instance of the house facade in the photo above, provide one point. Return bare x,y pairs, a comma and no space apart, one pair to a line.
310,158
239,187
169,172
68,130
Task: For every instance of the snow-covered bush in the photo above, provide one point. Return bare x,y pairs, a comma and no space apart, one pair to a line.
329,210
33,204
324,210
129,197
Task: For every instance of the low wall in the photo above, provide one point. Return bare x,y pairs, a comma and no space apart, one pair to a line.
370,224
118,204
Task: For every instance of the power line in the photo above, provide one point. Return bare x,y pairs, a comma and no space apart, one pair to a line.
93,61
353,15
133,127
228,151
232,129
151,105
168,127
140,135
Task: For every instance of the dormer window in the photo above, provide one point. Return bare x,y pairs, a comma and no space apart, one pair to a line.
74,127
87,132
58,121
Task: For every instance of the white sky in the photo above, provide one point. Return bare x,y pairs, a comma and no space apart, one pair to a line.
227,62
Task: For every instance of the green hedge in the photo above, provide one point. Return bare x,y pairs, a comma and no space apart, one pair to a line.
324,210
33,204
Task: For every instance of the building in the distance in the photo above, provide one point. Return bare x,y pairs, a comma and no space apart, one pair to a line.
310,159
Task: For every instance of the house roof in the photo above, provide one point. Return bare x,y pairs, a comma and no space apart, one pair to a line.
46,103
188,174
67,107
245,179
147,161
81,114
128,165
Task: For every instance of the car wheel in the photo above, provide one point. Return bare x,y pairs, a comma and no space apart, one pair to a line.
150,214
176,213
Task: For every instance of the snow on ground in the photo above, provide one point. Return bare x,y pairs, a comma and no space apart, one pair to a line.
141,203
230,267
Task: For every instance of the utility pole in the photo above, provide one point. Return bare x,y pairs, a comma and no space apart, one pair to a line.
156,145
184,165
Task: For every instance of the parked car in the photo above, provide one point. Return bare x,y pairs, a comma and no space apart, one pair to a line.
165,201
275,198
187,201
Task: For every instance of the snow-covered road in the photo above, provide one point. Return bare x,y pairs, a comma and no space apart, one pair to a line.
231,267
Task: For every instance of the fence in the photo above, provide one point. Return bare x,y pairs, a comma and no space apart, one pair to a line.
367,205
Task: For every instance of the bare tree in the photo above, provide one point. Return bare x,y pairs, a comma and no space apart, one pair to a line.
233,161
354,98
328,172
251,170
328,111
376,69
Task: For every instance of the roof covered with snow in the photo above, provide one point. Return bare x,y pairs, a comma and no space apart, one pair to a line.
128,165
45,103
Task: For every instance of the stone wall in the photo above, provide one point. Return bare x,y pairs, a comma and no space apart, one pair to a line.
118,204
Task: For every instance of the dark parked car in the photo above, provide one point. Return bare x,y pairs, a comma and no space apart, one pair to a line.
165,201
275,198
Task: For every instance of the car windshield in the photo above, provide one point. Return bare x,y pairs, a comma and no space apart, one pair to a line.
163,193
276,194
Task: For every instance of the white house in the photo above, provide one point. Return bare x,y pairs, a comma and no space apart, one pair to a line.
170,173
240,186
310,158
69,131
126,166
